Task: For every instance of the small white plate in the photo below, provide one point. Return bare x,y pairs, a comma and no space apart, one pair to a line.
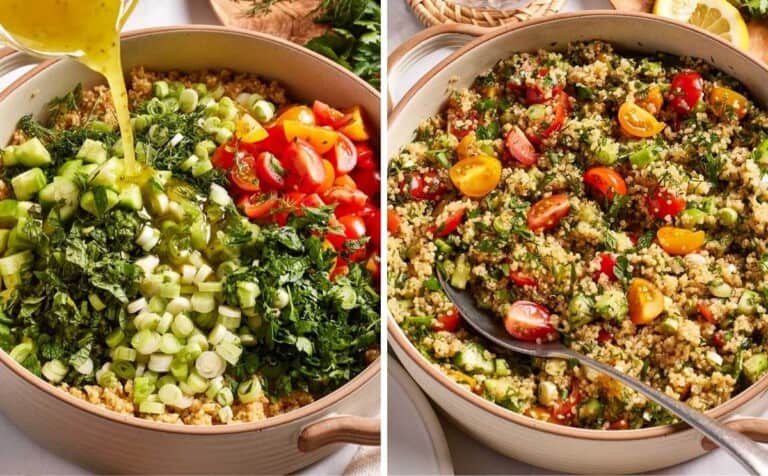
416,443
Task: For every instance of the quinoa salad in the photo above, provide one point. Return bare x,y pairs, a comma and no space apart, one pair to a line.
618,203
219,284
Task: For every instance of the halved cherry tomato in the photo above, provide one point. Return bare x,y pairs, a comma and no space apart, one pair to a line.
522,279
224,156
243,174
448,322
547,212
685,92
540,413
645,301
663,203
565,410
652,101
373,225
320,138
367,180
393,221
521,148
355,129
270,171
530,322
725,101
366,159
305,168
680,241
621,424
347,201
340,269
256,207
373,265
275,142
427,186
345,181
354,229
637,122
560,104
325,115
312,200
534,95
343,155
476,176
607,265
718,338
450,224
248,130
302,114
706,312
330,176
604,336
605,181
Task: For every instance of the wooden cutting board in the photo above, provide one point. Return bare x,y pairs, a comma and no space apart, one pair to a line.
758,29
289,19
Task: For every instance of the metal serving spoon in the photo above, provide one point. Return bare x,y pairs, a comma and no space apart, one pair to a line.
744,450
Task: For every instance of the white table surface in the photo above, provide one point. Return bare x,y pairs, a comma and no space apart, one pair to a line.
469,456
19,454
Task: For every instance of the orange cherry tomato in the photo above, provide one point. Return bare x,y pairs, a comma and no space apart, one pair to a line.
355,129
345,181
725,101
653,100
302,114
706,312
320,138
605,181
249,130
393,221
645,301
530,322
547,212
330,176
637,122
679,241
476,176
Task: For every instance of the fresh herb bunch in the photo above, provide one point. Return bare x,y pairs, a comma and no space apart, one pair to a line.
755,8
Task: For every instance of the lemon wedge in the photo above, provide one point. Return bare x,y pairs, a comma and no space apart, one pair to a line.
716,16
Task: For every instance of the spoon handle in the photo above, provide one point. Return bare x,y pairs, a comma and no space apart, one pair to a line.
743,449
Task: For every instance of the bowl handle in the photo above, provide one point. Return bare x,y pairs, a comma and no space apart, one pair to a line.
424,43
340,429
11,60
755,428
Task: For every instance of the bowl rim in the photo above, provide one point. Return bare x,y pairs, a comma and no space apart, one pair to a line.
316,407
398,337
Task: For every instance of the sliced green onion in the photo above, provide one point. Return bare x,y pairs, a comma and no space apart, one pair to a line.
225,397
146,342
136,306
105,377
198,339
225,414
148,264
250,390
170,290
203,273
188,100
54,370
165,323
143,386
96,302
157,408
170,394
160,363
180,369
115,338
281,298
247,292
197,383
124,353
85,366
229,352
210,287
156,303
182,325
148,238
214,387
146,320
219,195
218,334
210,364
123,369
169,344
203,302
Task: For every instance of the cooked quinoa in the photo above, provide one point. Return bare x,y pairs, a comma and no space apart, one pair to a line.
659,272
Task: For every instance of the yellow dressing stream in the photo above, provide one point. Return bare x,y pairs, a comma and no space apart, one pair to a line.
86,30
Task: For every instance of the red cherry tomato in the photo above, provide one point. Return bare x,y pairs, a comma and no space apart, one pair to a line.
706,312
354,229
534,95
373,264
448,322
530,322
275,142
427,186
605,182
604,336
257,207
347,201
547,212
561,106
343,155
373,225
305,168
340,269
325,115
270,171
243,173
224,156
393,221
685,92
312,200
607,264
450,224
367,180
565,410
663,203
521,279
521,148
366,159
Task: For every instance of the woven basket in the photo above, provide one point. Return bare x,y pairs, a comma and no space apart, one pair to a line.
437,12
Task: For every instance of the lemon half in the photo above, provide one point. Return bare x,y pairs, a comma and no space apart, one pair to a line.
716,16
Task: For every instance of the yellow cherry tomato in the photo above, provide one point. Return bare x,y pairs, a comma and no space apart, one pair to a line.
249,130
638,122
652,101
679,241
724,101
355,129
302,114
466,146
476,176
320,138
645,301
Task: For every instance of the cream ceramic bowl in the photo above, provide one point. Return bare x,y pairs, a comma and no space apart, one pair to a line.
561,448
112,443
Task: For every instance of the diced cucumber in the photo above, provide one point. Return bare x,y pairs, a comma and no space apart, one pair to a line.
471,359
18,239
33,153
754,367
92,151
28,183
748,302
109,174
130,197
47,196
4,240
502,368
9,213
88,170
9,156
70,169
591,410
497,389
461,272
580,310
89,203
761,154
612,305
15,263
